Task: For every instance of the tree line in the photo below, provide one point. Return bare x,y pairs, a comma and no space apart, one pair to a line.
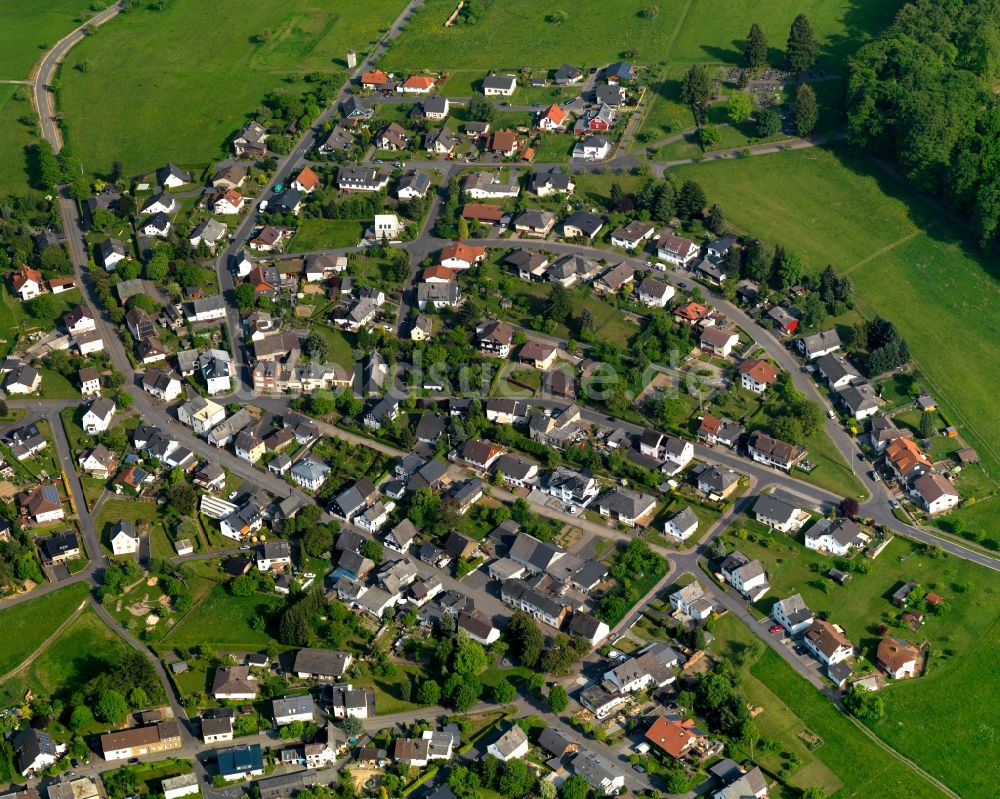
921,93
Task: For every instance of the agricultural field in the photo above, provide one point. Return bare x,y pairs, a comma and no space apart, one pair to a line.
25,627
214,64
28,29
830,207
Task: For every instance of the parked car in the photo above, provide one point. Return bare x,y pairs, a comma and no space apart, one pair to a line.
774,629
873,475
893,504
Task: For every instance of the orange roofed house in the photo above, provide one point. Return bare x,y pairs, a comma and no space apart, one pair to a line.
681,739
504,142
417,84
906,460
757,375
690,313
27,283
461,256
374,79
553,118
307,181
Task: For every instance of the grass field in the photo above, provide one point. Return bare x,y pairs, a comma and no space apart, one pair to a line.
115,510
24,627
208,73
832,208
14,138
223,620
327,234
529,40
964,698
29,28
67,663
15,320
715,30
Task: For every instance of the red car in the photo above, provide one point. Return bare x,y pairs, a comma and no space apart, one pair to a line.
775,629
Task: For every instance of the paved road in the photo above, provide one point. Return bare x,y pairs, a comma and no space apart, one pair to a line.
44,72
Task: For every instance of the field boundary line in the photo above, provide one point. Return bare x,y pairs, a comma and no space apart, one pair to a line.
888,247
45,644
903,759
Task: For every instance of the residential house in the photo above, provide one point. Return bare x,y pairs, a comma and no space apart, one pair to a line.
337,140
352,178
906,460
492,185
717,482
289,709
632,235
268,238
357,110
859,400
653,667
654,293
778,513
477,628
440,142
692,601
610,94
535,223
230,176
785,319
112,252
692,314
124,538
373,79
288,201
679,738
774,452
436,107
615,279
836,371
239,762
210,231
248,447
592,148
495,338
499,85
676,250
598,120
229,203
90,383
41,504
97,462
159,204
505,143
792,614
935,493
140,324
827,642
27,283
681,525
737,784
898,658
601,702
540,606
546,184
552,118
819,344
746,576
719,340
163,385
757,375
412,185
537,354
626,506
251,141
321,664
309,473
59,547
517,471
417,84
161,736
22,380
200,414
567,75
306,182
512,745
569,486
600,773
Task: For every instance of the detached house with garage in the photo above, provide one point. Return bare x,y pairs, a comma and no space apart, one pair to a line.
819,344
655,293
499,85
935,493
676,250
757,375
632,235
778,513
774,452
747,576
792,614
827,642
835,537
626,506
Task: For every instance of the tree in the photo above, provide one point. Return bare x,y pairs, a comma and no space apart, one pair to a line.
429,692
558,307
127,270
504,692
468,657
373,550
768,122
463,228
315,346
43,307
245,295
813,793
716,219
708,136
81,717
464,782
926,425
696,88
691,201
740,106
574,787
516,779
558,698
182,498
524,639
317,540
849,507
480,109
353,727
137,698
585,322
244,585
157,267
802,49
864,704
111,707
806,113
755,51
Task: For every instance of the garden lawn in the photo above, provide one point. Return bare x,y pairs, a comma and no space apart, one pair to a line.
327,234
832,208
791,705
554,147
715,30
208,74
15,137
15,319
222,620
24,627
529,40
340,352
28,28
68,662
